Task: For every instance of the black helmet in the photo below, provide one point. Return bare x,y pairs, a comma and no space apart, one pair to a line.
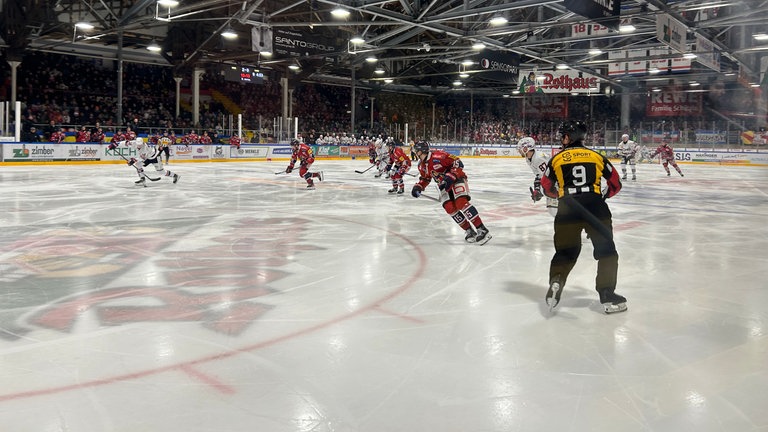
391,144
421,146
575,130
295,142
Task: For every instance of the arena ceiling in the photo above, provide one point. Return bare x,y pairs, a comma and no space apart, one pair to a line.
419,44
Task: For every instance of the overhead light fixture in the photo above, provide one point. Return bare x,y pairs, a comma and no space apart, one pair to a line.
478,46
457,83
561,66
371,59
467,62
689,56
294,67
760,36
229,33
463,75
656,90
627,28
595,51
515,91
357,40
266,53
154,47
694,84
84,25
498,20
168,3
340,12
379,70
388,80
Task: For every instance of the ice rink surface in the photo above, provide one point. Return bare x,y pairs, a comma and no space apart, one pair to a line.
235,300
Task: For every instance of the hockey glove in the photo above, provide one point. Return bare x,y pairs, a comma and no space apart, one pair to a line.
132,161
112,146
537,183
289,169
446,183
535,194
416,191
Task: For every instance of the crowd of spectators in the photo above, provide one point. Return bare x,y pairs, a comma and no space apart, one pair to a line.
71,94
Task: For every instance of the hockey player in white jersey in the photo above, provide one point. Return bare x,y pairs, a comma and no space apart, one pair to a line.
537,162
628,151
149,155
382,157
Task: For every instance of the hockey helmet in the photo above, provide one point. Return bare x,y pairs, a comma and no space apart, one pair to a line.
625,137
575,130
421,146
391,145
138,142
525,145
295,142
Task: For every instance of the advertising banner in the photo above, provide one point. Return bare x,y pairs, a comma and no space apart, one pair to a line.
604,11
565,81
297,44
671,32
544,106
498,66
619,66
709,137
672,103
707,53
251,152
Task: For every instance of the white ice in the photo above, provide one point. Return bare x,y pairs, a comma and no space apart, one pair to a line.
235,300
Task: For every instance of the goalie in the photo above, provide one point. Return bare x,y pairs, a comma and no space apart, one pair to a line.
149,156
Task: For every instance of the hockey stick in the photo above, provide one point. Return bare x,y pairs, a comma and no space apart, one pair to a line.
361,172
281,172
137,169
429,197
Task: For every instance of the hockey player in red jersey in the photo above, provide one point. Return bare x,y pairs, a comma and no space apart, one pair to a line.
447,171
306,157
399,164
667,158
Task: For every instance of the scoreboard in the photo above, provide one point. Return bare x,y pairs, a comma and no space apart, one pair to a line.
244,74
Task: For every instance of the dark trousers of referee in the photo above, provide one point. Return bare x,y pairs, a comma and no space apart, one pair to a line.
590,213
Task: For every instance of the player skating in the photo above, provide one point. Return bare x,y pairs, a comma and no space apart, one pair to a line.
306,157
382,157
148,156
667,158
628,151
574,176
537,162
400,163
447,171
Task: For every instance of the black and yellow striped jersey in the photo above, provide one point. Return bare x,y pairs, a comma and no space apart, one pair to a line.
578,170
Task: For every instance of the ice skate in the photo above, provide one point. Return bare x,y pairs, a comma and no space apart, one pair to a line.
176,178
320,176
482,236
624,177
553,295
470,235
310,186
634,178
377,175
393,190
612,302
141,181
401,191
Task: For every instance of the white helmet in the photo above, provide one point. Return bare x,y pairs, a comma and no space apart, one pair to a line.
625,137
525,145
138,142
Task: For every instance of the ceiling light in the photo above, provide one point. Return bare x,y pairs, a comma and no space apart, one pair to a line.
463,75
340,12
154,47
515,91
562,66
379,70
467,62
656,89
388,80
266,53
478,46
371,59
654,70
357,40
689,55
168,3
754,85
498,20
293,66
694,84
627,28
760,36
595,51
457,83
229,33
84,26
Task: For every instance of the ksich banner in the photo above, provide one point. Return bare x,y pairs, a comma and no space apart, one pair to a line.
673,103
291,43
565,81
606,12
544,106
